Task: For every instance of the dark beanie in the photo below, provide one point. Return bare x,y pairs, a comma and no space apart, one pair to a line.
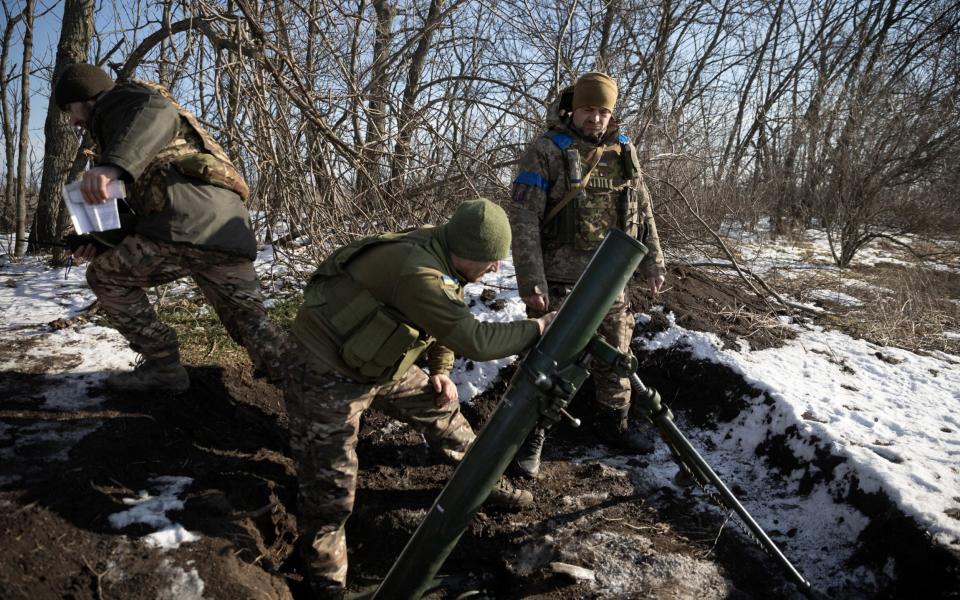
479,230
80,82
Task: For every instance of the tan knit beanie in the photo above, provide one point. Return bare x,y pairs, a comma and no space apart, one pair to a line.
595,89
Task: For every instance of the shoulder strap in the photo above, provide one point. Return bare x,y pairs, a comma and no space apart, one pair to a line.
560,139
337,262
594,159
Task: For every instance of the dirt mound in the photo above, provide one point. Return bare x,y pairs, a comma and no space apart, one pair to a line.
225,434
703,302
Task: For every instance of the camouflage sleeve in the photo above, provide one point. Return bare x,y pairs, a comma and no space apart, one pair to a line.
132,126
652,264
440,359
423,299
527,203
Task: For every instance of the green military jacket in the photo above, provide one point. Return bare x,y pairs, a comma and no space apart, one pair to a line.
412,280
131,124
558,249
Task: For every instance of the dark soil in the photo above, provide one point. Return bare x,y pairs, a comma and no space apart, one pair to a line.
227,433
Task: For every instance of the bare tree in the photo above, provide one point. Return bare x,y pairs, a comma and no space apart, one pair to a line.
60,142
21,241
8,217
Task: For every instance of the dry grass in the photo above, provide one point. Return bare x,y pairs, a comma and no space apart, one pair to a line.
908,306
921,307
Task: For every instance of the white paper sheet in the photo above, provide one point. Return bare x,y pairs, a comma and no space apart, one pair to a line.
93,217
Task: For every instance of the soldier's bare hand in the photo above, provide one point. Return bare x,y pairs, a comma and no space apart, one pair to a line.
537,302
655,283
545,321
85,252
445,388
93,184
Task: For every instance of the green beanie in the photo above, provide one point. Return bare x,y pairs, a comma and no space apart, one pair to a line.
80,82
479,230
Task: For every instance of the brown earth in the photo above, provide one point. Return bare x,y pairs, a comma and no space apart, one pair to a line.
227,433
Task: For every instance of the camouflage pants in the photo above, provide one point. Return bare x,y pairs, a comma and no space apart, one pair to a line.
229,283
324,410
613,391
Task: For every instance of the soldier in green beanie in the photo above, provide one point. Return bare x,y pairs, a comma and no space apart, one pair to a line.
576,181
371,310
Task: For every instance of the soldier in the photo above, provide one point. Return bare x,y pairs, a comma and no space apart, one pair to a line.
370,311
576,181
189,219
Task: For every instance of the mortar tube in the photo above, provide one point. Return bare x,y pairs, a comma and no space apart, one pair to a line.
563,344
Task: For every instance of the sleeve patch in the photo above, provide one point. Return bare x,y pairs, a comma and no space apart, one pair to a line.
529,178
451,289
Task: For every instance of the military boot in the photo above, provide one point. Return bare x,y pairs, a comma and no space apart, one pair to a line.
527,461
507,497
150,376
613,429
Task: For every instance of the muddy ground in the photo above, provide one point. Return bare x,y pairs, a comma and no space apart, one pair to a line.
227,433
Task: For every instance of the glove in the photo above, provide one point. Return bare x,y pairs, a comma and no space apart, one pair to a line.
74,241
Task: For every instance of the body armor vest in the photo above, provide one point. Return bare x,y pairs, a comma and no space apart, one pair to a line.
598,198
374,341
192,152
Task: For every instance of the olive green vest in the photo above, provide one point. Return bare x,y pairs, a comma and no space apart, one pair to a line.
375,343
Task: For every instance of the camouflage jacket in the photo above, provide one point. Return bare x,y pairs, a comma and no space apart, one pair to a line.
141,131
411,275
559,250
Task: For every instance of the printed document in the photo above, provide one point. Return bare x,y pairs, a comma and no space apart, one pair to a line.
93,217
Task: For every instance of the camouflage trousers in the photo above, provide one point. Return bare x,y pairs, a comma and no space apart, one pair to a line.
229,283
613,391
324,409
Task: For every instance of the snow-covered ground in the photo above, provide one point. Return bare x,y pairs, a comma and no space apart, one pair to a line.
892,413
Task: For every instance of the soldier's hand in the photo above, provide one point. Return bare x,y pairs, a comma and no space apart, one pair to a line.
537,302
545,321
93,184
655,283
445,388
85,252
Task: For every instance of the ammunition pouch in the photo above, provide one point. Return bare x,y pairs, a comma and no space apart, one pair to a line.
373,341
210,169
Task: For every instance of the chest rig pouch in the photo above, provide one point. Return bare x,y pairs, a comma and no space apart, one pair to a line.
600,194
374,341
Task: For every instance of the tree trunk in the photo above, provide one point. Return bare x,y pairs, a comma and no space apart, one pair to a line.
373,149
405,121
24,130
61,144
8,216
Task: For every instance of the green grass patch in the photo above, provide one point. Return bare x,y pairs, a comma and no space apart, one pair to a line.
203,338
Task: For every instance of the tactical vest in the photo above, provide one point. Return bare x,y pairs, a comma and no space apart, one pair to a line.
374,340
601,199
192,152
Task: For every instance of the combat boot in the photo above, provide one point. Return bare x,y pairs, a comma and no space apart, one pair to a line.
507,497
150,376
527,461
613,429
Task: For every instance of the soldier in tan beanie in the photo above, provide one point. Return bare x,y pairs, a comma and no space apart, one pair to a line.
576,181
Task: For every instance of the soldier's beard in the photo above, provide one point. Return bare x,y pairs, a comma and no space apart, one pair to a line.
590,137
